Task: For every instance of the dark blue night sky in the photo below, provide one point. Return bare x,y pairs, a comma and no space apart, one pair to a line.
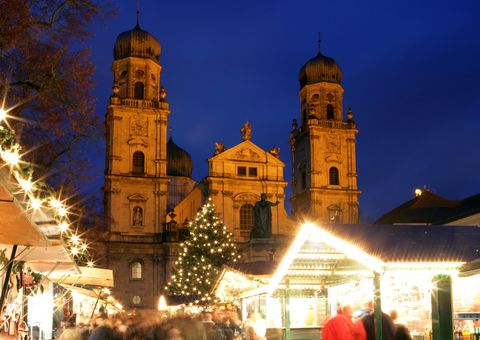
410,74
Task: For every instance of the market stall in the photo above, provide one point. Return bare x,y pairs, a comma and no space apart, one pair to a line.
346,264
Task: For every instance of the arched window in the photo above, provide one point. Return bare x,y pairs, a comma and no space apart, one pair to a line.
136,270
333,176
330,112
139,90
247,218
138,162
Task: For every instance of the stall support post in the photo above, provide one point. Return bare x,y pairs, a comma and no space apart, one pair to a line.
7,276
287,310
378,307
442,311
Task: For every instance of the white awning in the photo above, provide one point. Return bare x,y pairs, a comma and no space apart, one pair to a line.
15,225
54,260
89,276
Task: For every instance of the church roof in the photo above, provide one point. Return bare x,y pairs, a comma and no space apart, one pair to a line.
429,208
320,69
179,161
136,43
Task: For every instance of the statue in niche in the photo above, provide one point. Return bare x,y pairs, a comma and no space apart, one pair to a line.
246,131
263,218
137,217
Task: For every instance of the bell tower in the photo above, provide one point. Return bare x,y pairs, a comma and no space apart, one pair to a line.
136,182
324,171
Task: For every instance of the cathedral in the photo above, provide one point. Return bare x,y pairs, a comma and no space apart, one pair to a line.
149,192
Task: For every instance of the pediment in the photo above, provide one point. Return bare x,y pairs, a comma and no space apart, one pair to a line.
137,197
247,197
247,152
334,159
138,141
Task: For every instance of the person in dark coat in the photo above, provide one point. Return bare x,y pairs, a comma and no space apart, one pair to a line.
366,327
401,331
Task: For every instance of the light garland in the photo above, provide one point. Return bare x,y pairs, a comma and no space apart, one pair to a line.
38,195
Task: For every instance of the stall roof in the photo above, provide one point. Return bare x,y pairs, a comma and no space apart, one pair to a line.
15,225
332,254
88,277
418,243
46,260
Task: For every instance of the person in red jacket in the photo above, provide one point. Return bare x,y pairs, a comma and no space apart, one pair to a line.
340,327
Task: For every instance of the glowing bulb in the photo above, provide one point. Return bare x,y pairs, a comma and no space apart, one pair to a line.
3,114
84,247
25,184
35,203
54,203
90,265
62,211
418,192
63,226
11,156
75,239
74,251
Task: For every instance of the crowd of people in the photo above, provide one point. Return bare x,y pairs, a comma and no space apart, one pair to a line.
344,326
217,325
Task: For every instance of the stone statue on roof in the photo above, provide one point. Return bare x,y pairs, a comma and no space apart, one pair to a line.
246,131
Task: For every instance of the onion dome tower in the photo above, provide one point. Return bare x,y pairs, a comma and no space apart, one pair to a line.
324,173
320,69
179,161
179,171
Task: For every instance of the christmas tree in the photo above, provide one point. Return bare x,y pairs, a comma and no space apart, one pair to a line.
202,256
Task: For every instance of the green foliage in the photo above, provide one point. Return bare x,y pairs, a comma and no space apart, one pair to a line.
209,247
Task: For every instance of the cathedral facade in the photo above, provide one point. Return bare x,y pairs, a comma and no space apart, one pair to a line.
149,192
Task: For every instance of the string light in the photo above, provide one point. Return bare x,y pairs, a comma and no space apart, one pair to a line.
11,156
63,226
3,114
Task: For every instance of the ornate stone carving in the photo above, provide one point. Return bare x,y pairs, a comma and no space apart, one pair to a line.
213,192
115,191
138,141
227,193
333,143
160,193
139,127
247,154
137,198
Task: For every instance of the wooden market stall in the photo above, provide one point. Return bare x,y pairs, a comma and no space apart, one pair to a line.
413,269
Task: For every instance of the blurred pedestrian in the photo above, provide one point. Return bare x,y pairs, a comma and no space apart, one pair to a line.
401,331
340,327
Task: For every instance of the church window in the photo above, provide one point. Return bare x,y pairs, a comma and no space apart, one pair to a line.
136,270
139,90
247,219
136,300
252,172
124,74
304,116
330,112
333,176
242,171
138,162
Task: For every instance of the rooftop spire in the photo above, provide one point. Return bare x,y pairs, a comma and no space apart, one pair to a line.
138,18
319,42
